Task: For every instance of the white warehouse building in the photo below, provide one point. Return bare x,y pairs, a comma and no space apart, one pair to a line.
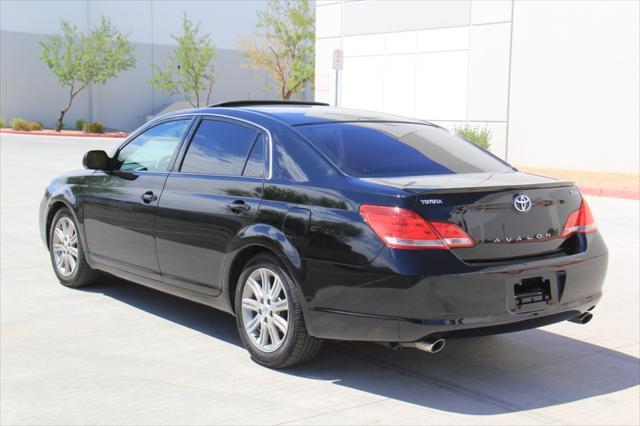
557,82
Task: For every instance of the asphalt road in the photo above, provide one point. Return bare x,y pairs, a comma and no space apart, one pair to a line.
123,354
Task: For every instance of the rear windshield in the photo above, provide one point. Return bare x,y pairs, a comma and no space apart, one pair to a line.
378,149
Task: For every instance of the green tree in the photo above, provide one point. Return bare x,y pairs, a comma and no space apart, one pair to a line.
480,137
190,69
283,43
78,59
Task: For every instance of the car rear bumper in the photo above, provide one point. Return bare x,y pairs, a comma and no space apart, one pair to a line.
377,305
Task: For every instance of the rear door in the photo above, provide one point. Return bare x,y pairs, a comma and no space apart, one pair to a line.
213,194
120,205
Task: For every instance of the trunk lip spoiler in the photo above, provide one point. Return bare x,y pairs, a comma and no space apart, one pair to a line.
471,182
515,188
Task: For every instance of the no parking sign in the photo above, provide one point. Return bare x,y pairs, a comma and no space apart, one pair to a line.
338,59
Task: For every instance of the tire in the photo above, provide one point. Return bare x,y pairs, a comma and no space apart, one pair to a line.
296,346
71,273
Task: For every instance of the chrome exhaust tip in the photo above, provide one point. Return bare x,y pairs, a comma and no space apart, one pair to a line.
431,345
583,318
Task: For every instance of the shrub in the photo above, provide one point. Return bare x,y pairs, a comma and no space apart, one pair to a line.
93,127
2,123
24,125
480,137
19,124
80,123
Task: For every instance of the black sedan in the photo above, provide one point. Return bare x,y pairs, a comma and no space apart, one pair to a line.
309,222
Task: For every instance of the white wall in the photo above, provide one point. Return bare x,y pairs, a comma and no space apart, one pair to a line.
565,80
442,61
575,85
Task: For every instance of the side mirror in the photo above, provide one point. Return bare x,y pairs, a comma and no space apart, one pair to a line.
96,160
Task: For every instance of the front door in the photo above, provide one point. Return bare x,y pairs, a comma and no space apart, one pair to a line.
120,205
210,197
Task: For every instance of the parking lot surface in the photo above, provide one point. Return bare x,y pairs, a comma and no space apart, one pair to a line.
119,353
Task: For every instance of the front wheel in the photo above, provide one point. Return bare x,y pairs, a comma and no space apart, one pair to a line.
67,252
268,306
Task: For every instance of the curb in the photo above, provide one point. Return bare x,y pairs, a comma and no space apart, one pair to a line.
72,134
630,194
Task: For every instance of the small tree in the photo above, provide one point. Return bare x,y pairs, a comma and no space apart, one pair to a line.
190,70
78,59
283,43
480,137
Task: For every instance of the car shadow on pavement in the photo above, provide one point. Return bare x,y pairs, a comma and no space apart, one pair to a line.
181,311
478,376
483,375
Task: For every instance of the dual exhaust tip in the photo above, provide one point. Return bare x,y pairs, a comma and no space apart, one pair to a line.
430,344
583,318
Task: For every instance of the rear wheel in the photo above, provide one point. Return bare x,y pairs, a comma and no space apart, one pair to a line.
268,308
67,252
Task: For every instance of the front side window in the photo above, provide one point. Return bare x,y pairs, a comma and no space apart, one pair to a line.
152,150
386,149
220,148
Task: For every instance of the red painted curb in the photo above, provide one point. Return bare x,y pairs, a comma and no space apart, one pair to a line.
74,134
630,194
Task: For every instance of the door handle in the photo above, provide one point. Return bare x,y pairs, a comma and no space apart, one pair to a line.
238,206
149,197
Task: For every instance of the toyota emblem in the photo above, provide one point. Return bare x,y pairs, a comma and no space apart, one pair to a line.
522,203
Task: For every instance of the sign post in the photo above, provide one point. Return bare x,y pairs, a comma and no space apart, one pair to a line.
338,62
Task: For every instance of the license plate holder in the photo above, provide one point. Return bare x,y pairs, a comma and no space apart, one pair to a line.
533,293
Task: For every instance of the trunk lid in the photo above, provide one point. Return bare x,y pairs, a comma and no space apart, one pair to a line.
484,205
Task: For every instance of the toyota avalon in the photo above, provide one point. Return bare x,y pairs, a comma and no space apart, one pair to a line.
308,222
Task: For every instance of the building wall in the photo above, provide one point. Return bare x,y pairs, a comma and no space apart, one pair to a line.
575,85
28,88
545,77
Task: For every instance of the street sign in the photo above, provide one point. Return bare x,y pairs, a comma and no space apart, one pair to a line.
338,59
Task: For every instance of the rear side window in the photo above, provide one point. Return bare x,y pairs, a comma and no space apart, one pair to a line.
378,149
219,147
255,166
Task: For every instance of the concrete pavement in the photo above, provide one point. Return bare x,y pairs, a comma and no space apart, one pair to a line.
123,354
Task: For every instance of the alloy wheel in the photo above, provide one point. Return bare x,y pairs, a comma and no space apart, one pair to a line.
265,310
65,246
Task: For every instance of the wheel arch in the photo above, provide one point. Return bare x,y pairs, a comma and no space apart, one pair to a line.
55,206
252,241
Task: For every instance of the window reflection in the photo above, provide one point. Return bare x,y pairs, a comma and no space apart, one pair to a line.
219,147
381,149
255,162
153,149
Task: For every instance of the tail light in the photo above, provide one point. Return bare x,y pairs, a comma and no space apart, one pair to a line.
405,229
580,220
